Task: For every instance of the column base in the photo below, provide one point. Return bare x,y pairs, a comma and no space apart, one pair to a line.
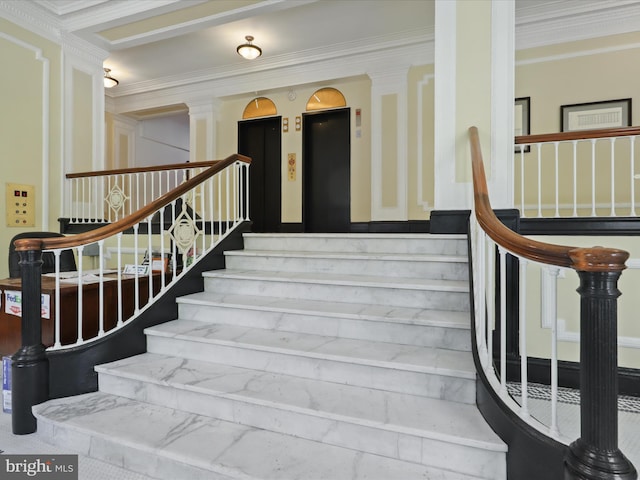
585,463
29,387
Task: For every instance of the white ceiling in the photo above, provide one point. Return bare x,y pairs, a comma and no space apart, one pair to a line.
289,31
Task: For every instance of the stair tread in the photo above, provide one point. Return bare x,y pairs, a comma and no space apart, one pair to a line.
388,355
415,415
408,257
345,280
223,447
380,313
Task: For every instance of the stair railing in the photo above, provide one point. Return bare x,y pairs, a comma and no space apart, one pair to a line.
139,258
588,173
110,195
595,454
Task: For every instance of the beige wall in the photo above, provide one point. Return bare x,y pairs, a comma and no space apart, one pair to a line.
577,72
539,339
27,103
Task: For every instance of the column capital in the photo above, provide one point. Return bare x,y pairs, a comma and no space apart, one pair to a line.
199,106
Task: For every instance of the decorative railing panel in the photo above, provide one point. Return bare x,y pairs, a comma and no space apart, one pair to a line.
108,196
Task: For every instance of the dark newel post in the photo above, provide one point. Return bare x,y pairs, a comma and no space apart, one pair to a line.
29,366
595,455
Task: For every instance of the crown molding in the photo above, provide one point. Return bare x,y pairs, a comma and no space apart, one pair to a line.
108,14
575,20
413,48
39,22
262,7
31,18
285,77
83,50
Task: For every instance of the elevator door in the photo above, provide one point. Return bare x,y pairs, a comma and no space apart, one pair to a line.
260,139
327,171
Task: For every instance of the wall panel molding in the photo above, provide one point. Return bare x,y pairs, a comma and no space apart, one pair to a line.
46,100
420,144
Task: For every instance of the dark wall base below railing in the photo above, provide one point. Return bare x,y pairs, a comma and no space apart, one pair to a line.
539,371
409,226
71,371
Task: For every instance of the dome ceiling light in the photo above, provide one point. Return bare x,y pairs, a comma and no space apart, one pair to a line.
109,81
249,50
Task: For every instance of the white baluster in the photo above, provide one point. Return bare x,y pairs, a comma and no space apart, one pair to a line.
522,209
555,145
56,256
503,320
593,177
524,408
150,257
248,213
80,291
575,178
119,248
612,142
632,162
540,182
135,262
101,290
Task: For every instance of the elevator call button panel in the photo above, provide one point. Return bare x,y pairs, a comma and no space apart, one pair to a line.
21,205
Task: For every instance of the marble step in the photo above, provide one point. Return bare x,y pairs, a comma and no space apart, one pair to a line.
430,372
172,444
421,243
409,326
366,289
405,427
445,267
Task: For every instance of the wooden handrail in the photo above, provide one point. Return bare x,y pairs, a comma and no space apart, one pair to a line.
101,233
155,168
579,135
595,259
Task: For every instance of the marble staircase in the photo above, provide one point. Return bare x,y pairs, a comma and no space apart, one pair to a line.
309,357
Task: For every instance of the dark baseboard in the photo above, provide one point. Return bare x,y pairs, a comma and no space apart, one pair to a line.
457,221
449,221
291,228
539,371
410,226
580,226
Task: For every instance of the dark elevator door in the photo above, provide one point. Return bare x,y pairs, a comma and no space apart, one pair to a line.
260,139
326,155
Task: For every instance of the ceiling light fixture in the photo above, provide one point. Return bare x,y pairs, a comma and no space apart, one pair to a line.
249,50
109,81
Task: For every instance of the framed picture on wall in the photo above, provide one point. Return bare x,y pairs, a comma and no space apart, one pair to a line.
596,115
521,118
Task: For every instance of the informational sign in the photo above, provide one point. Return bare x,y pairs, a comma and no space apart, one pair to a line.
13,304
6,384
